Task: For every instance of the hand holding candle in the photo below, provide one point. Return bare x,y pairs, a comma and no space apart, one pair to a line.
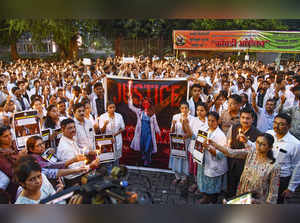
129,88
241,137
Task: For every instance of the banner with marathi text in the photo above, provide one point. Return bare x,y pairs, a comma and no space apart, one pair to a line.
164,95
237,40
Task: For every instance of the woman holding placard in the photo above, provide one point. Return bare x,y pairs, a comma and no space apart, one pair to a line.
36,148
181,125
211,178
112,123
200,123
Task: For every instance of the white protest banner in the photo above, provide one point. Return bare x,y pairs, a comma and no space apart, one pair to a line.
87,61
128,60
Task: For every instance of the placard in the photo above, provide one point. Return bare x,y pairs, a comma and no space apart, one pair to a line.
49,156
87,61
105,147
25,124
202,136
58,135
197,147
198,152
178,146
46,138
242,199
128,60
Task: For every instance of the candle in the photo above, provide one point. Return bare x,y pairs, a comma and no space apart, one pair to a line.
85,165
129,86
240,131
83,150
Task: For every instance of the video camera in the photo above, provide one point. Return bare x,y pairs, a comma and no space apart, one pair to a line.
99,188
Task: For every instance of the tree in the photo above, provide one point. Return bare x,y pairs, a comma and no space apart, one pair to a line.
64,33
11,30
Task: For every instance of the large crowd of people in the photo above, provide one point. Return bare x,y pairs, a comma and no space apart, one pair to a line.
250,110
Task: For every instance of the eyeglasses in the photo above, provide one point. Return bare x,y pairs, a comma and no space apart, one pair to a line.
280,124
40,144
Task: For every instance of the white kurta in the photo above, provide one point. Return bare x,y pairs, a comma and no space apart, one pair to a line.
180,165
113,127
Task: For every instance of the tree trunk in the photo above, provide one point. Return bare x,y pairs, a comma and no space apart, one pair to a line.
73,50
13,50
117,46
62,52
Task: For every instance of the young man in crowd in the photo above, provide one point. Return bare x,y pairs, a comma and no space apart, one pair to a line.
236,166
286,150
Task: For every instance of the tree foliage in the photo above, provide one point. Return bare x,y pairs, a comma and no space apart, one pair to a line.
64,31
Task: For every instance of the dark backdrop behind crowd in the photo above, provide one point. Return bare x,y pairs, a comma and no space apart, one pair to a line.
165,95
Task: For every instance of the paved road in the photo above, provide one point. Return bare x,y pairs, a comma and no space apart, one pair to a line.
160,186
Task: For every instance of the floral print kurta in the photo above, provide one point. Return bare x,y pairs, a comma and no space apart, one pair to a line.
263,178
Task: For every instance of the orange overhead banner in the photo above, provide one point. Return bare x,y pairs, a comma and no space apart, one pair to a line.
237,40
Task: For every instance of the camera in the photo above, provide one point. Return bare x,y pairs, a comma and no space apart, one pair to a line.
97,187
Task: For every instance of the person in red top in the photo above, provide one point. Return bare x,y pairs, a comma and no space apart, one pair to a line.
8,158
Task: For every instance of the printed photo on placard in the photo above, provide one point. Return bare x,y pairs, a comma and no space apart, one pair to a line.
49,156
178,145
105,148
46,138
26,124
198,152
202,136
58,135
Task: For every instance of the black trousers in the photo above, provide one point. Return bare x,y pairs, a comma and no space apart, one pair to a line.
283,185
236,168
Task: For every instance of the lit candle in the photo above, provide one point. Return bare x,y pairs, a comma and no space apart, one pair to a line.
240,131
129,86
86,166
83,150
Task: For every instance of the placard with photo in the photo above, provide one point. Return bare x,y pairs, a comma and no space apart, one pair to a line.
178,145
58,134
49,156
46,138
105,148
26,124
198,152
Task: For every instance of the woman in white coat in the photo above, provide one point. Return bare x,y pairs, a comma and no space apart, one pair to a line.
112,123
181,125
144,139
211,176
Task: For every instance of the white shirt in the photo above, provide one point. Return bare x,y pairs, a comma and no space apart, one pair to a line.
265,120
178,125
4,180
287,154
215,165
67,149
85,135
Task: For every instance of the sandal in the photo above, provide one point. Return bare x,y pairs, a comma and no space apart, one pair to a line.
175,181
183,182
197,192
193,188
